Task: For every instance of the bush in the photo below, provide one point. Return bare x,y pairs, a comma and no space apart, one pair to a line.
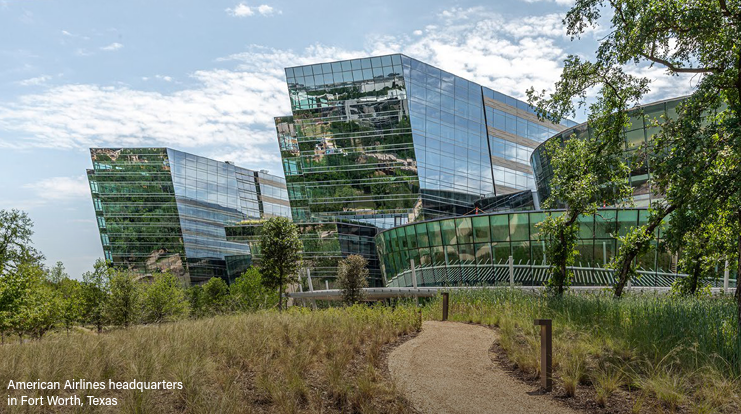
352,277
164,299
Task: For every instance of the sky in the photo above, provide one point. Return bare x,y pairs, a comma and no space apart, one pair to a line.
207,77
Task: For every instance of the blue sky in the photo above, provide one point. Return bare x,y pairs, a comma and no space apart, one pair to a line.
207,77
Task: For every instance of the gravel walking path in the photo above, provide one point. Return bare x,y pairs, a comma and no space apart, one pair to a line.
447,369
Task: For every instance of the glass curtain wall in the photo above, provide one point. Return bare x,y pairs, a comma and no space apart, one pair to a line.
164,210
491,238
136,210
643,126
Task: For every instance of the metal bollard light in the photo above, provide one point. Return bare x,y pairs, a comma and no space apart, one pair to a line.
546,353
446,297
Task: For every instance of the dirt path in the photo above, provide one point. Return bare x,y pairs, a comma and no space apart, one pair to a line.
447,369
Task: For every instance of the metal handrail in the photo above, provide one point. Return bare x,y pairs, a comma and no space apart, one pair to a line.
472,274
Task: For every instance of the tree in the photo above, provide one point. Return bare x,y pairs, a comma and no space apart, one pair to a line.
14,288
95,294
587,173
352,276
37,309
215,295
164,299
16,230
196,301
122,306
281,254
57,273
70,293
248,292
696,161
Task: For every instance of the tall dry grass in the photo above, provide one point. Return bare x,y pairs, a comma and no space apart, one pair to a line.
680,352
295,362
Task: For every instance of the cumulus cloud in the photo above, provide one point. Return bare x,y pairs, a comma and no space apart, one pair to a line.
228,113
61,188
559,2
243,10
112,47
39,80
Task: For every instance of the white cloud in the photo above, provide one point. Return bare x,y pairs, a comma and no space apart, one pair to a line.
417,33
243,10
228,113
112,47
61,188
266,10
39,80
559,2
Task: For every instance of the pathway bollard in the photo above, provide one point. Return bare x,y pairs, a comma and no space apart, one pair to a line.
446,296
546,353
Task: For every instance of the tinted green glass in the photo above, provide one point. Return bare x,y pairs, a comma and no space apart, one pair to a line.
447,228
586,227
452,255
411,236
586,253
466,253
499,227
521,252
438,255
481,229
464,230
535,218
519,227
433,232
425,258
500,251
422,239
483,253
627,219
538,252
605,223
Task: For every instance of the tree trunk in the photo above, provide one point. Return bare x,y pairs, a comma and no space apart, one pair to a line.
738,279
280,291
695,276
624,273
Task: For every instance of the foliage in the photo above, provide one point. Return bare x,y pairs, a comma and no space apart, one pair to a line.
281,254
588,173
352,277
39,307
57,273
215,295
95,294
695,158
122,305
71,298
16,230
248,293
164,299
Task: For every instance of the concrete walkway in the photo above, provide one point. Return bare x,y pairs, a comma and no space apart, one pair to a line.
447,369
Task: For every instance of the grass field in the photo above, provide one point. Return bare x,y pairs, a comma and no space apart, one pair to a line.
683,353
298,361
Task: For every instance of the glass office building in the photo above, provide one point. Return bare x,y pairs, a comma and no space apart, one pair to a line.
389,140
325,243
159,209
640,132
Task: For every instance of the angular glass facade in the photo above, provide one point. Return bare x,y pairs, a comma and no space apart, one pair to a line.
640,132
325,243
388,140
164,210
